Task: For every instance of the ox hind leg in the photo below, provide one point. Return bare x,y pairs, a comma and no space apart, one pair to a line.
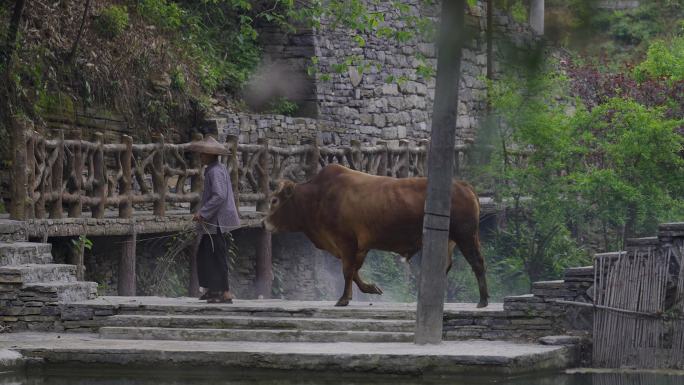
368,288
470,247
348,270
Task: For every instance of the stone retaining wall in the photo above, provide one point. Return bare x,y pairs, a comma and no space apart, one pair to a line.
26,309
388,100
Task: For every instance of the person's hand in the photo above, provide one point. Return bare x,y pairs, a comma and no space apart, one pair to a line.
197,218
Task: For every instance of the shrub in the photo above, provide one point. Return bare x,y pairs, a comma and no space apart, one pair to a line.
282,106
112,21
589,179
166,14
178,81
663,60
632,27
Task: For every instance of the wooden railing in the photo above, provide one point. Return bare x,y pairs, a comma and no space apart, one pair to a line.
65,177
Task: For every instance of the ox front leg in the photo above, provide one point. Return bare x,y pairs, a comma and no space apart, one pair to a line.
368,288
348,270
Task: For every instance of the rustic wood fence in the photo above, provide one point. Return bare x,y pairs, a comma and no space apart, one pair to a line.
639,303
54,178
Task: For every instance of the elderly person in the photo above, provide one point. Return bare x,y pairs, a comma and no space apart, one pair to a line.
216,217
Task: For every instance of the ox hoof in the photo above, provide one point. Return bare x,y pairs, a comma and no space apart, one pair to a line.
482,304
342,302
374,289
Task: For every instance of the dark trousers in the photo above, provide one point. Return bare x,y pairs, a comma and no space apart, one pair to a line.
212,262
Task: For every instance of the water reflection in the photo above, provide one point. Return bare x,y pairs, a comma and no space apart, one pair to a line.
87,377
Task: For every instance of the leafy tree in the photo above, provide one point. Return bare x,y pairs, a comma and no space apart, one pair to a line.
664,60
583,179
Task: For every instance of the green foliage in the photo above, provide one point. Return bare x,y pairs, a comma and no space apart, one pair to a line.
218,35
519,12
282,106
54,103
81,242
178,81
634,26
663,59
112,21
578,177
165,14
392,274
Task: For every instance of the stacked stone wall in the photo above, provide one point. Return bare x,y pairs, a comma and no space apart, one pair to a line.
388,101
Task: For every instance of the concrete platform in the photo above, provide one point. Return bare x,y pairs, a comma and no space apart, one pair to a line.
453,357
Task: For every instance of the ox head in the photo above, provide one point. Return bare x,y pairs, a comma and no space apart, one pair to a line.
282,215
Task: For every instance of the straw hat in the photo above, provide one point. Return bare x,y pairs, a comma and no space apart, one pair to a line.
209,145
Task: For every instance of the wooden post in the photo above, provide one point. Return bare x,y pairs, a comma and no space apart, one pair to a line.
75,208
31,174
56,211
356,155
312,158
78,259
196,186
232,141
403,171
264,177
42,184
193,285
434,253
197,181
264,265
100,187
458,153
126,185
384,158
159,178
126,282
421,160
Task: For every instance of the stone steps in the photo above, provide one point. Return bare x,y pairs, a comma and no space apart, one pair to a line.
446,359
237,310
251,335
258,323
21,253
58,291
528,317
36,273
548,289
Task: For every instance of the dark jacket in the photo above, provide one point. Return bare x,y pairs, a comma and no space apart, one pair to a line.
218,203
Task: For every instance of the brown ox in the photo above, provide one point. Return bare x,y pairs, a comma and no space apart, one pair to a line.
348,213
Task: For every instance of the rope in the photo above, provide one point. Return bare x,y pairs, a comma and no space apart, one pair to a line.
184,231
603,307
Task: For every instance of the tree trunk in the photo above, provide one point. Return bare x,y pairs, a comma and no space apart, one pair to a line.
74,47
490,44
432,282
7,112
12,32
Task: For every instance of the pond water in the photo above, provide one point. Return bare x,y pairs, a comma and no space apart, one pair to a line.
117,377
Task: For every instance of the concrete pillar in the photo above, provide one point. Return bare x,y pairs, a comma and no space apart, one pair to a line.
537,16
